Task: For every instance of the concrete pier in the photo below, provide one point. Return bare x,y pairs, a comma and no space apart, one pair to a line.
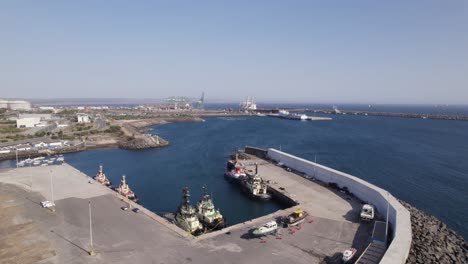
127,237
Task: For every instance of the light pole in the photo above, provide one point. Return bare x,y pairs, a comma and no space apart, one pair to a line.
30,177
52,191
91,251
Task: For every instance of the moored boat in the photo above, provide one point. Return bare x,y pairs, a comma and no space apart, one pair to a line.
125,191
255,186
297,217
235,170
207,214
101,177
186,216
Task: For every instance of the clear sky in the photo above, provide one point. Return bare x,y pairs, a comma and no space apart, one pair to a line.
283,51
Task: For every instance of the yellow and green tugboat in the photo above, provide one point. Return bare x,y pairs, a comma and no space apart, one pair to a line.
211,218
186,215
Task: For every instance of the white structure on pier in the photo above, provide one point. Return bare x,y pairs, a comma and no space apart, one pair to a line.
249,104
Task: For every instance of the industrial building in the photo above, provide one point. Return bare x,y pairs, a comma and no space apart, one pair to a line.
28,122
15,105
83,118
43,117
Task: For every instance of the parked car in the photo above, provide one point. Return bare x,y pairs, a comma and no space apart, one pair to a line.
136,210
125,208
47,204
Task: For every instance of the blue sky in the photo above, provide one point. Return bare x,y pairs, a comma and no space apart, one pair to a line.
290,51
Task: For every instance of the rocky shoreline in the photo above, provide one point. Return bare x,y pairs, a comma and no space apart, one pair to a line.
433,241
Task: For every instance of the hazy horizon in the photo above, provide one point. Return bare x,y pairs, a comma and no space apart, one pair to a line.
395,52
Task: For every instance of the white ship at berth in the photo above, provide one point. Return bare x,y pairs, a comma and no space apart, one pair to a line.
248,104
294,116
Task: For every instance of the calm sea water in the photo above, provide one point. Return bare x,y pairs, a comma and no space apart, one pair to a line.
424,162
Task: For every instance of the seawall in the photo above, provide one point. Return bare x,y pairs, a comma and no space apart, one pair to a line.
399,216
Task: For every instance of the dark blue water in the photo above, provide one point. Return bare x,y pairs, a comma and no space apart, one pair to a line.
424,162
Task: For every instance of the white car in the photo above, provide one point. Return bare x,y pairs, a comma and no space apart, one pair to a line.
47,204
367,212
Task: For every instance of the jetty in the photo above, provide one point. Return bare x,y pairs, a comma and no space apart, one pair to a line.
275,111
123,236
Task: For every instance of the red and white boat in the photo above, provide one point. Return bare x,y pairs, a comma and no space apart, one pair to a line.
125,191
349,254
236,173
101,177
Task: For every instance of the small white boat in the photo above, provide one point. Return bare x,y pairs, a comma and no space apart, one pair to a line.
266,229
348,254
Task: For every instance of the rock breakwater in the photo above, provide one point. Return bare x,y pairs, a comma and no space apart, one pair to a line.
433,241
143,143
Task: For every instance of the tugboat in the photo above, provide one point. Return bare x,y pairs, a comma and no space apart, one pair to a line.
124,190
207,214
235,170
296,217
186,217
101,177
256,186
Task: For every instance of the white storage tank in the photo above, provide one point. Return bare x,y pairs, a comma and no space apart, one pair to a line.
3,104
19,105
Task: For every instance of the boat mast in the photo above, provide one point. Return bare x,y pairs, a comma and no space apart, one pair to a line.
186,198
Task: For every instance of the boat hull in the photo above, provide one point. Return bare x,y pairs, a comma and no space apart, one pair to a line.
215,225
185,226
257,232
296,222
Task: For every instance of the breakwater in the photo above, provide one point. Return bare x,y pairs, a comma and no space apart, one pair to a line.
398,215
369,113
433,241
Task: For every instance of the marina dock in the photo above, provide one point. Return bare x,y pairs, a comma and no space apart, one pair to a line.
125,236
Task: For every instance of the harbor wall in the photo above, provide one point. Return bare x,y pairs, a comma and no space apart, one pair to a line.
399,216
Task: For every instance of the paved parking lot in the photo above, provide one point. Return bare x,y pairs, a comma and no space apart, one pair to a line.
127,237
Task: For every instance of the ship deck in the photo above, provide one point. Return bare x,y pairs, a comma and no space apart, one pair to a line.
36,234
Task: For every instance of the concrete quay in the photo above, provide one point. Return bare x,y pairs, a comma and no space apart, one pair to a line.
400,233
124,236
